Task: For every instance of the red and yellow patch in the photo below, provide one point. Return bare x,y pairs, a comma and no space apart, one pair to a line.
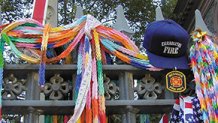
175,81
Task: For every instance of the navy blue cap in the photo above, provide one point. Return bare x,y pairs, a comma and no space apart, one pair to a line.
166,43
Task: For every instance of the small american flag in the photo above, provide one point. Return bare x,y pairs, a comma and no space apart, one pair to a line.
186,110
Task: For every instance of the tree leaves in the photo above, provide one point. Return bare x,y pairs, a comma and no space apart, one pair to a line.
137,12
15,9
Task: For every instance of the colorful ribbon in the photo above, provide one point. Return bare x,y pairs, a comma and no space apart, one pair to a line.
95,41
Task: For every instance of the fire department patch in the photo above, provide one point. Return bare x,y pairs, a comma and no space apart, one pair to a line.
175,81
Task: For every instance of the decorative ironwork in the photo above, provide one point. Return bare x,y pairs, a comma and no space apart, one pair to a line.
148,88
111,89
56,88
13,87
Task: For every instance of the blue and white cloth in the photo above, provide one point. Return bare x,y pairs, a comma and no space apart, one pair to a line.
186,110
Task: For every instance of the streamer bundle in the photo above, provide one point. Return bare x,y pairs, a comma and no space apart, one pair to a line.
204,64
93,39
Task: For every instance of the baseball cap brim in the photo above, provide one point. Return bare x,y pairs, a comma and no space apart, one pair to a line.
168,63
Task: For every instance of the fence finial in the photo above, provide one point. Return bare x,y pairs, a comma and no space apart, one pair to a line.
199,22
159,15
121,23
79,11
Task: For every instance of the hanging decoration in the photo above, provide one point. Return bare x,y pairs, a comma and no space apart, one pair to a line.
204,64
93,39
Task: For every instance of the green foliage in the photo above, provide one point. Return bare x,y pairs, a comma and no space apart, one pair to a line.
138,12
15,9
168,8
66,11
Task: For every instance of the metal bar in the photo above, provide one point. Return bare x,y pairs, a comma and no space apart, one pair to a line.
32,93
65,67
42,117
68,67
67,103
66,107
130,115
121,86
128,77
122,93
74,85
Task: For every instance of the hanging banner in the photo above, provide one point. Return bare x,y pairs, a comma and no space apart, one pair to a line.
176,81
40,10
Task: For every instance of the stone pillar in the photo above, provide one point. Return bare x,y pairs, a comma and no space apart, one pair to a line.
52,13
